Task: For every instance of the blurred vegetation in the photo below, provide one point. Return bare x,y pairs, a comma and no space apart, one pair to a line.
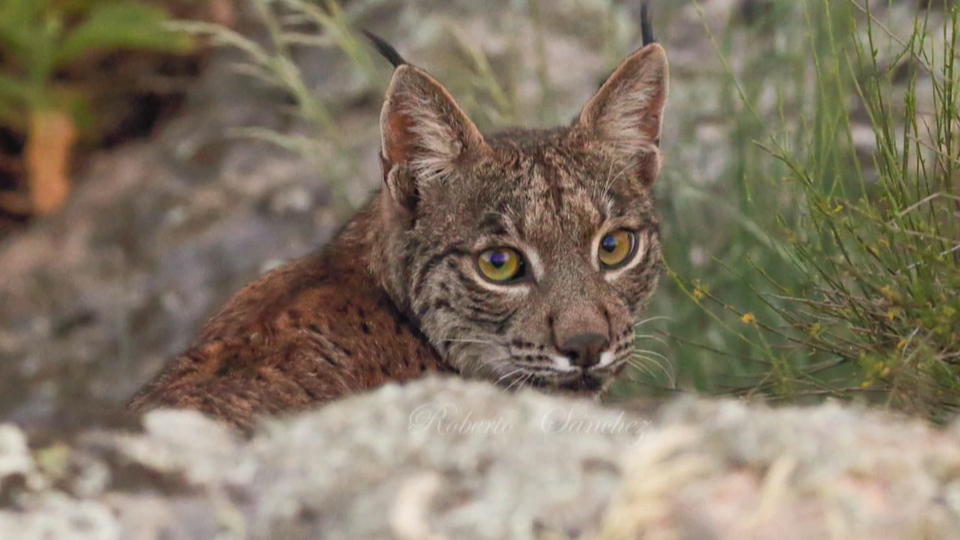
822,261
838,270
40,42
819,261
271,62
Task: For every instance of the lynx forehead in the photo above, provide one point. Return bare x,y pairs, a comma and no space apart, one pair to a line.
524,257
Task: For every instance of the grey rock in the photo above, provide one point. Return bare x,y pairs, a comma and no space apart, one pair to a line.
447,458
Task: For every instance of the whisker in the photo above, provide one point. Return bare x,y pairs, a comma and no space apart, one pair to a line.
636,362
518,370
650,336
640,366
613,180
644,352
650,319
644,363
610,162
518,381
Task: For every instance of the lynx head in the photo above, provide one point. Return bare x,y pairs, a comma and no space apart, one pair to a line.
526,256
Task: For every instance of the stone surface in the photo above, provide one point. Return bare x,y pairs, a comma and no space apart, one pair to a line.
445,458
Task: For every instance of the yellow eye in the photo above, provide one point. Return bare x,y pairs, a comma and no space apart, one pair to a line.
616,247
500,264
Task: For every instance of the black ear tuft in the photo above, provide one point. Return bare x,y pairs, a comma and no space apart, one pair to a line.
385,49
646,29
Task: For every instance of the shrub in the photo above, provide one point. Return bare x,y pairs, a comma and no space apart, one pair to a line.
843,262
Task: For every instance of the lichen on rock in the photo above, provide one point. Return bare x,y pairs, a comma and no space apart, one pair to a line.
447,458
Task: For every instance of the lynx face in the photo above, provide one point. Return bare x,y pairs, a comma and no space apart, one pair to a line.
527,256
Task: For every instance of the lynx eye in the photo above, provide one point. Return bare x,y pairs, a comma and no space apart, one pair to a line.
500,264
616,248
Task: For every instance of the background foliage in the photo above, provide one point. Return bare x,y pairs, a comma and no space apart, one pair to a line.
836,271
45,47
820,261
808,200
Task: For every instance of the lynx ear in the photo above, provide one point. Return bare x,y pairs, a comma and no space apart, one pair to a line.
423,134
626,112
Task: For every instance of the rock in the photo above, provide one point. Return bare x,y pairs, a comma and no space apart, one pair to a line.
447,458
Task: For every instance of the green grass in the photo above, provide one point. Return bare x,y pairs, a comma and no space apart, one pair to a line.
291,24
837,268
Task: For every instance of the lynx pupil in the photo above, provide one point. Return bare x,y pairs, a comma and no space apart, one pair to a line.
500,264
616,248
609,243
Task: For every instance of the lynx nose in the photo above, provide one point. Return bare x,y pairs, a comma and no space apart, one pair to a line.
584,350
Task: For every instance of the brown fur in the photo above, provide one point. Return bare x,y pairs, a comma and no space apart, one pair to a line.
398,293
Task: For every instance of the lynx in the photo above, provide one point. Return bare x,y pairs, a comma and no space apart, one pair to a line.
522,257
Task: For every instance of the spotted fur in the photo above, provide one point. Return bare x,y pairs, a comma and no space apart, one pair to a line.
398,292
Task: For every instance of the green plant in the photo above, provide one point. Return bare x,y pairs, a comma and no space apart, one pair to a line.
39,39
719,215
845,280
290,24
881,246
